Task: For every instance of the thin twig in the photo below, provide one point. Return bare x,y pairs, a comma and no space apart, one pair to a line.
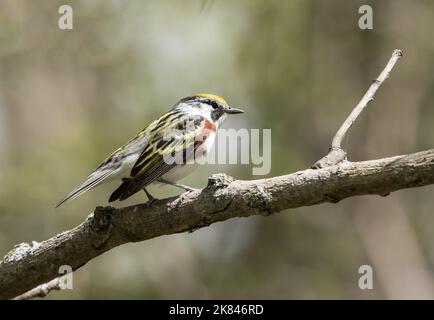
369,96
42,290
337,154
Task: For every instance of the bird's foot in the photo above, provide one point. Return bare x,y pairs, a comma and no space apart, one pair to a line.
182,186
186,188
150,202
151,199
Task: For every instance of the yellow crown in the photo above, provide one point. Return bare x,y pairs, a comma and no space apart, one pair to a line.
211,96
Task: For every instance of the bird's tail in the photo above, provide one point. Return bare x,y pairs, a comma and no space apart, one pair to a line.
117,194
91,182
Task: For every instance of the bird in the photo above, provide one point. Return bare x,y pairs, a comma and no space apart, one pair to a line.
164,151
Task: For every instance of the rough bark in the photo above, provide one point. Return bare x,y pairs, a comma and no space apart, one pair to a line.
28,266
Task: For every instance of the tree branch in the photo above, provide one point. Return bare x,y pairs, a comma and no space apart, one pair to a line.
42,290
27,266
336,153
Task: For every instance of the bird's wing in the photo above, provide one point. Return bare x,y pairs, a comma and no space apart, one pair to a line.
166,148
109,167
94,179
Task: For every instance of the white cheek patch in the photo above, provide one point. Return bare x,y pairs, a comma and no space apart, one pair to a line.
220,120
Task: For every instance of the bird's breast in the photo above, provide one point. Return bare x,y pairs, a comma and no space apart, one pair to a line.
209,125
208,130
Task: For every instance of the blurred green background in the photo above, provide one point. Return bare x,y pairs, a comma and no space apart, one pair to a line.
69,98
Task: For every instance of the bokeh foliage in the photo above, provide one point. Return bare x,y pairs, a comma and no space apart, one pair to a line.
68,98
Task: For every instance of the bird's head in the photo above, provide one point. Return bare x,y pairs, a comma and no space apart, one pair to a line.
211,106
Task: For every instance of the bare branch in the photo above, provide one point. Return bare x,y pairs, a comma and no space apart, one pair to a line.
42,290
337,154
28,266
369,96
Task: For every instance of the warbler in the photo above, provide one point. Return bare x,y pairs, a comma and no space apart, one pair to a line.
163,151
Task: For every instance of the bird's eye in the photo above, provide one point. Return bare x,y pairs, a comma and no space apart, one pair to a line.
213,104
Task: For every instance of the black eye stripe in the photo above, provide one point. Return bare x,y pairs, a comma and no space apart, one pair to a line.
212,103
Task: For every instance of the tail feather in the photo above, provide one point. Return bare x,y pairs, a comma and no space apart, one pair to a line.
91,182
116,195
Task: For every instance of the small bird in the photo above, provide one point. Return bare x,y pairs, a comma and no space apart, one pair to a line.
162,152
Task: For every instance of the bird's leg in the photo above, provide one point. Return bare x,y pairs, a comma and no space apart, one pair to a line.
151,199
182,186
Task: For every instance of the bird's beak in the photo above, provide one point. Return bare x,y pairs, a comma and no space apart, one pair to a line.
231,110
